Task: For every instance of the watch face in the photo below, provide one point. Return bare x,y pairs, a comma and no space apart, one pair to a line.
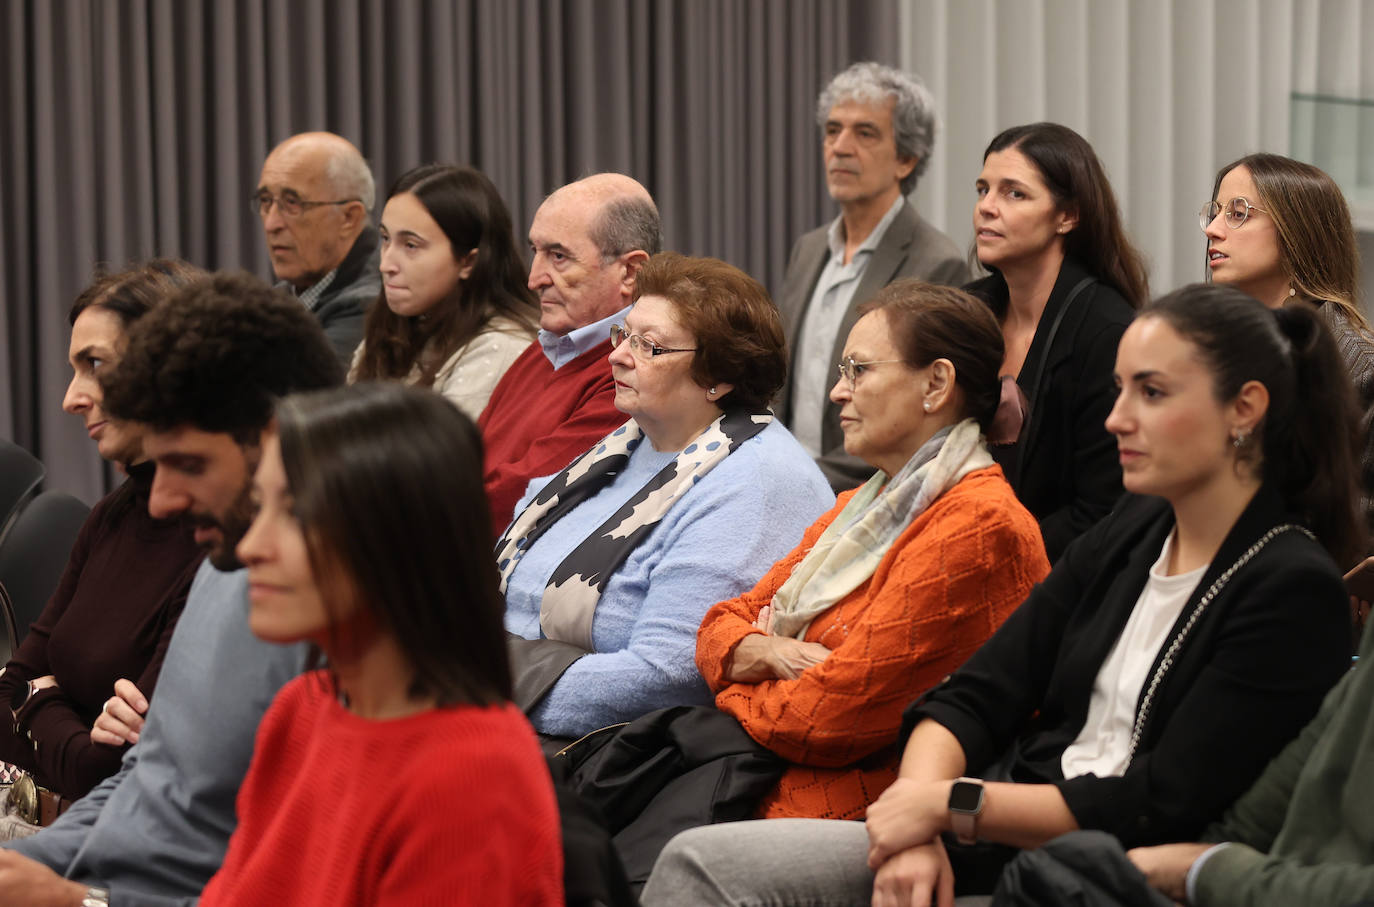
965,796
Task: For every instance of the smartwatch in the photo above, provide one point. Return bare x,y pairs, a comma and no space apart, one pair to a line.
965,805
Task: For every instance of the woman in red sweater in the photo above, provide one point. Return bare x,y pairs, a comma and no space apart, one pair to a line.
902,580
400,773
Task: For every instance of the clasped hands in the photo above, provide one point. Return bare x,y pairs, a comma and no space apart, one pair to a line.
769,657
904,826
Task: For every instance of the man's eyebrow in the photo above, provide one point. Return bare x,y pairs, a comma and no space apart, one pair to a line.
553,247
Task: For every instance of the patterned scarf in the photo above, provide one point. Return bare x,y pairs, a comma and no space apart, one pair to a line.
574,589
852,546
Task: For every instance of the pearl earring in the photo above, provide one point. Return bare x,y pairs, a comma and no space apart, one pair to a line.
927,406
711,392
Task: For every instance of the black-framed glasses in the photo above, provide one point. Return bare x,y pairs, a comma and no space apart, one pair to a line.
1237,211
850,369
642,347
288,203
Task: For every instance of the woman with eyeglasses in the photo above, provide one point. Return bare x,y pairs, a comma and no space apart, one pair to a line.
1065,282
613,562
399,773
1281,231
1167,657
902,580
454,311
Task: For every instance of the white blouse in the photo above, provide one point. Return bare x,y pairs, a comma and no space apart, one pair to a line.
1103,745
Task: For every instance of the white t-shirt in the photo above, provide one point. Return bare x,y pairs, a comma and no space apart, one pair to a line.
1104,743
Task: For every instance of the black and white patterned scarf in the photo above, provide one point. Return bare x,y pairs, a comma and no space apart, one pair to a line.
571,596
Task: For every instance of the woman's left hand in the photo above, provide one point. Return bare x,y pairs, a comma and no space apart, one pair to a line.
907,814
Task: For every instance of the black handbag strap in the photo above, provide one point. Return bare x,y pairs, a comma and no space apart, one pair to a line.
1077,291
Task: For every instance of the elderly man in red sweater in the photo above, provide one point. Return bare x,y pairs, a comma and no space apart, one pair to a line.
589,239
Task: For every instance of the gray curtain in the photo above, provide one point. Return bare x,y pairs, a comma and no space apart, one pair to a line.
137,127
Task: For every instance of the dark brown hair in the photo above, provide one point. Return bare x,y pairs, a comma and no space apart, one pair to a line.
737,327
387,484
1074,176
1309,439
469,210
130,293
928,322
1317,246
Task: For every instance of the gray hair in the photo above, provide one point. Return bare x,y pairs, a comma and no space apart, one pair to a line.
913,109
624,225
351,177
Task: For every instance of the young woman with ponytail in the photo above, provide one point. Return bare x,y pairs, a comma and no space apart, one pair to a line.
1169,655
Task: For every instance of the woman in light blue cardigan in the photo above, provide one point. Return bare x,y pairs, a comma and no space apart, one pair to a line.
685,505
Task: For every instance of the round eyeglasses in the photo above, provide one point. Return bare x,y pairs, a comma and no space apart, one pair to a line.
1237,211
642,347
288,203
850,370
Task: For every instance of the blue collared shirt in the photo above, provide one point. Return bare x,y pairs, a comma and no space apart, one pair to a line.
564,348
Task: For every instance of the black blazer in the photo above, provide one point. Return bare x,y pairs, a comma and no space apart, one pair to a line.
1065,467
1252,672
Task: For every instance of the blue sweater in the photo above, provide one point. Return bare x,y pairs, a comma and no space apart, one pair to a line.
714,544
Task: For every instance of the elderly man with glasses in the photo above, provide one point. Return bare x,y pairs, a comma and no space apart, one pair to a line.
315,200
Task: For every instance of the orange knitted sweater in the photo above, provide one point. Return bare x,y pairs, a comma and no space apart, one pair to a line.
946,584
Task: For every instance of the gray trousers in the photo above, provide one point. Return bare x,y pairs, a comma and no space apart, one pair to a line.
767,863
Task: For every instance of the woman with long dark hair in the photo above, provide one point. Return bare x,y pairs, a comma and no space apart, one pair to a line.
1169,655
454,312
1065,282
400,773
108,623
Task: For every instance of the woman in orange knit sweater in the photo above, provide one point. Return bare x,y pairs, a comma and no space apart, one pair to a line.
902,580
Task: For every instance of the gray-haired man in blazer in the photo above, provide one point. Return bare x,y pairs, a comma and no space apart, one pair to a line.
878,127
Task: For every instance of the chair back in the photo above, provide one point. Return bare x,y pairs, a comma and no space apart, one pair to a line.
35,550
20,474
9,634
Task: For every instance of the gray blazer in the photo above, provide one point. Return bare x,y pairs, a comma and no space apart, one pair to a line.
910,248
344,303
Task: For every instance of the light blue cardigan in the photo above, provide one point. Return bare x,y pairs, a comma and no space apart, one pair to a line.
714,544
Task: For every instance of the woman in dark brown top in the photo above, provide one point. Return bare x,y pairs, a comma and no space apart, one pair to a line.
125,583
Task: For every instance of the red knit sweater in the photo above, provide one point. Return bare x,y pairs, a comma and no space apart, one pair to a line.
539,420
943,587
450,806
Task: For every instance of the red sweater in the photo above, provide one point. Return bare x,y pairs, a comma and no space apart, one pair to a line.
450,806
539,420
947,582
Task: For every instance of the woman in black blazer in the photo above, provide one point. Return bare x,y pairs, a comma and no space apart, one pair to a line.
1169,655
1065,282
